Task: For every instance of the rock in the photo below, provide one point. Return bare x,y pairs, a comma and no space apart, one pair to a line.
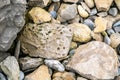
54,7
67,12
97,36
17,50
75,20
82,12
28,63
101,24
102,14
11,11
39,15
113,11
11,68
55,64
89,58
90,3
72,1
3,56
72,52
81,32
46,41
116,26
81,78
89,23
117,29
118,3
115,39
73,45
85,7
42,73
2,77
93,12
107,40
53,14
55,0
103,5
22,75
118,78
110,31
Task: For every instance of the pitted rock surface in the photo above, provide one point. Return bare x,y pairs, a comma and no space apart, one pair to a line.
95,60
11,21
46,40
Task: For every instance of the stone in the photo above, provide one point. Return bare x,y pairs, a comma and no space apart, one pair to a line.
11,11
11,68
75,20
92,61
110,31
22,75
116,26
73,45
101,25
115,39
71,53
55,0
53,14
93,12
107,40
82,12
118,78
117,3
85,7
46,41
117,29
90,3
55,64
113,11
102,14
2,77
81,32
72,1
42,73
97,36
17,50
28,63
89,23
81,78
54,7
67,12
103,5
39,15
3,56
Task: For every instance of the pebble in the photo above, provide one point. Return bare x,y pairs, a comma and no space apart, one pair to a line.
102,14
85,7
107,40
90,3
117,29
3,56
55,64
97,36
82,12
93,11
81,78
2,77
55,0
117,3
113,11
53,14
89,23
71,1
17,50
110,31
22,75
116,24
73,45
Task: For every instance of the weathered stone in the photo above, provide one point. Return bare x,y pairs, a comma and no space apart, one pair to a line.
28,63
115,39
95,60
39,15
113,11
72,1
42,73
46,41
103,5
85,7
53,14
93,12
82,12
55,64
101,24
55,0
4,3
118,3
90,3
11,68
81,32
67,12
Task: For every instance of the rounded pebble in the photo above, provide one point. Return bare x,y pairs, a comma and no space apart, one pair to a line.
53,14
113,11
89,23
107,40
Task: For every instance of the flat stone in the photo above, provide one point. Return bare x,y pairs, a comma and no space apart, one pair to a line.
42,73
89,23
39,15
113,11
90,3
55,64
118,3
28,63
46,41
103,5
72,1
81,32
89,58
11,68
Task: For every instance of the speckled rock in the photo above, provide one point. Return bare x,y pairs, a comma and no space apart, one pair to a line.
115,39
42,73
89,58
103,5
39,15
81,32
47,40
90,3
72,1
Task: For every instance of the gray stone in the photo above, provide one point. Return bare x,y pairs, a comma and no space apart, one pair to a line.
72,52
55,0
55,64
89,23
110,31
53,14
102,14
107,40
11,21
117,29
113,11
3,55
11,68
116,24
93,12
2,77
29,63
22,75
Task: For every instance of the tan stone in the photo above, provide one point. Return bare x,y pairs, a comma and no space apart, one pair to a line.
97,36
42,73
72,1
95,60
90,3
117,3
82,12
115,39
103,5
39,15
81,32
73,45
101,24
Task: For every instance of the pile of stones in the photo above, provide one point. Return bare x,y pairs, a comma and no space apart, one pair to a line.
59,40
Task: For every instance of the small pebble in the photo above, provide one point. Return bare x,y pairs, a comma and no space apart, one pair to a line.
72,52
113,11
107,40
21,76
2,77
89,23
117,29
116,24
53,14
55,0
85,7
110,31
102,14
93,12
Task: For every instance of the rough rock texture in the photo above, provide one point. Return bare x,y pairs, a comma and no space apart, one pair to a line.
95,60
46,40
39,15
42,73
11,21
103,5
11,68
81,32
